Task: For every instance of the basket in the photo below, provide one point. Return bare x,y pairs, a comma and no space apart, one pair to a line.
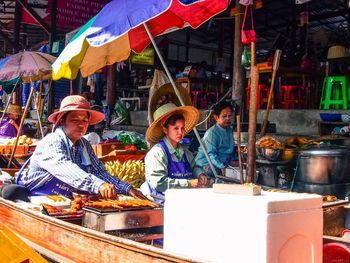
336,52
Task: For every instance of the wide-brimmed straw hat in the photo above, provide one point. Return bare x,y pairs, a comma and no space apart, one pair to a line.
155,130
76,103
168,90
13,109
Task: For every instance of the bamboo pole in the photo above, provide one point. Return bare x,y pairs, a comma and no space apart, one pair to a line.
21,125
254,76
276,62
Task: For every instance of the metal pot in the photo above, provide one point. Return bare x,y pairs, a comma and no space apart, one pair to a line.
324,165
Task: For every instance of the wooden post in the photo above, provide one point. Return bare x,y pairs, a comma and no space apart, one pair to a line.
254,76
238,73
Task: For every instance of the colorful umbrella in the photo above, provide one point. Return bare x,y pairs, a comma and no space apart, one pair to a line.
119,28
123,26
27,65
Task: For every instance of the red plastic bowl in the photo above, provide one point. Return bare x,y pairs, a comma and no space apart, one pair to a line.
335,252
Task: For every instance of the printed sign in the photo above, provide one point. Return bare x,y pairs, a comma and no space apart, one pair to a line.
70,13
146,57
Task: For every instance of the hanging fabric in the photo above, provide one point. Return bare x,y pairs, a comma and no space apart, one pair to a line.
248,35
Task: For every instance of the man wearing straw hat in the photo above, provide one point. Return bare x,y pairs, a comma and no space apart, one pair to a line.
64,162
169,164
10,123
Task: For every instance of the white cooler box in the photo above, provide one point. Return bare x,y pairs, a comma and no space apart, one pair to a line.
271,228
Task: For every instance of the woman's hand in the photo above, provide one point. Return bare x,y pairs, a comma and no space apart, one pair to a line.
136,193
203,180
107,191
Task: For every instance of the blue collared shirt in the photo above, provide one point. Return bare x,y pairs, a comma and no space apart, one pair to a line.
51,158
219,144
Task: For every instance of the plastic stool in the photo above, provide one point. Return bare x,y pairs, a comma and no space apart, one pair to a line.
263,95
199,99
335,93
290,97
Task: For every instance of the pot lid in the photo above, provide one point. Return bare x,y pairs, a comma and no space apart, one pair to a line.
325,150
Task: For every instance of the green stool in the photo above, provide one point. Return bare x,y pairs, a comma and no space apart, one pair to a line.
335,93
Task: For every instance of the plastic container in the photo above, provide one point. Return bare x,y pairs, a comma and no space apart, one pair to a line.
330,116
335,252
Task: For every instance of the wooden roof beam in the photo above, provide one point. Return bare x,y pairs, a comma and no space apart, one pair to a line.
8,40
36,17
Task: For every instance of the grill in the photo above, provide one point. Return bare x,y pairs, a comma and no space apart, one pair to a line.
116,219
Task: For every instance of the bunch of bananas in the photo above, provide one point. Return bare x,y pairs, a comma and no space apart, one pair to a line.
131,171
22,140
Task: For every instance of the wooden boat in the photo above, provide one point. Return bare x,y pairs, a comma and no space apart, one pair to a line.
67,242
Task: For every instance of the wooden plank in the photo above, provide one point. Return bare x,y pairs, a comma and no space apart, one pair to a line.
237,189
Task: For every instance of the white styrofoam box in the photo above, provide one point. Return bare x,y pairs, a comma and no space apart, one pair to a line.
272,227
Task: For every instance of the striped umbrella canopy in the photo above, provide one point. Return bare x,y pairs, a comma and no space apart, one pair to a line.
119,28
27,65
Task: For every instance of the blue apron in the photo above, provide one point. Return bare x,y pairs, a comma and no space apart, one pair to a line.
55,186
176,170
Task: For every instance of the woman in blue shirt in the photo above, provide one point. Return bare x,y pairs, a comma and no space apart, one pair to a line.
218,140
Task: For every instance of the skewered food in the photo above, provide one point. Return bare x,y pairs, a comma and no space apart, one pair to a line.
120,204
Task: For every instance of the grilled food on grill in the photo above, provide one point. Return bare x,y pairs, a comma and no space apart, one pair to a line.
120,204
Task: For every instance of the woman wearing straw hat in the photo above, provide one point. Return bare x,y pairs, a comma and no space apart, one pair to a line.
168,164
10,123
64,162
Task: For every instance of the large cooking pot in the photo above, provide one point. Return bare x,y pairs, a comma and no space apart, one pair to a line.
324,165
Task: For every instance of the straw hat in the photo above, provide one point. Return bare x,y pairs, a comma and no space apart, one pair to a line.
76,103
13,109
155,130
168,90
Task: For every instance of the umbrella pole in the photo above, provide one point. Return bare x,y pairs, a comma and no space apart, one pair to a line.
180,98
38,108
21,125
9,100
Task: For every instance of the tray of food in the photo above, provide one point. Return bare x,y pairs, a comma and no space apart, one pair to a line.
108,206
63,214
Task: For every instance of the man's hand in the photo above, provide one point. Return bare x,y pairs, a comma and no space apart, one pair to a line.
193,183
203,180
107,191
136,193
